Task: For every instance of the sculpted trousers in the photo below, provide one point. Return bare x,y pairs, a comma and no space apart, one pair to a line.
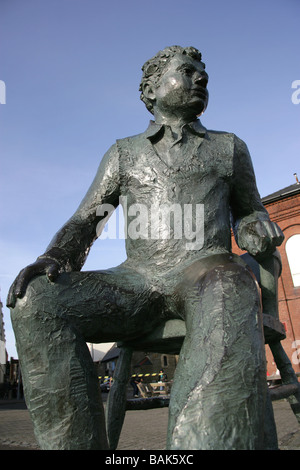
52,324
219,396
219,390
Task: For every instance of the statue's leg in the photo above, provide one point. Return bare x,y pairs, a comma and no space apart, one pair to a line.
52,324
219,392
60,385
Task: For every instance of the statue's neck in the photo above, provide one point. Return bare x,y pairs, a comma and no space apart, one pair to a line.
176,122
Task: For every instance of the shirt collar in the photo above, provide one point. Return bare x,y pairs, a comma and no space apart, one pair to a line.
195,127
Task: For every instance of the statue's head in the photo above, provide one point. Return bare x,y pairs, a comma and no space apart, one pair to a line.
154,69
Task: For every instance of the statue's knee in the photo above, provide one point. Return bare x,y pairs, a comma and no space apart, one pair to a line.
233,272
230,275
34,316
226,266
234,278
33,301
243,275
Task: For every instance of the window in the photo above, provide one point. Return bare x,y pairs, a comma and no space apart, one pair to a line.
164,361
292,248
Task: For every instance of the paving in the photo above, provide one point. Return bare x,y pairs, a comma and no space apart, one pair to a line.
142,429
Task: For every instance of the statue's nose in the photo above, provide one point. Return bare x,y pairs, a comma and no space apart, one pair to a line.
201,80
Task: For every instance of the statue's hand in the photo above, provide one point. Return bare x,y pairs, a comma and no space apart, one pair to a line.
260,238
47,266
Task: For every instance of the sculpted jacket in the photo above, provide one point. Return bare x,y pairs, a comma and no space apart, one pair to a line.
211,170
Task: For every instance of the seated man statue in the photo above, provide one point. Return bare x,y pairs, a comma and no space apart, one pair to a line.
178,266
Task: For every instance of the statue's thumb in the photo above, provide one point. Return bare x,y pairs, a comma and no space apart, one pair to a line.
53,272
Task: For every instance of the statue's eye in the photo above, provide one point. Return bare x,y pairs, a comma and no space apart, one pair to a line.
188,71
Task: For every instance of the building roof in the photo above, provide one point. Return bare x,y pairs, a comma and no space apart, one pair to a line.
145,361
112,353
282,193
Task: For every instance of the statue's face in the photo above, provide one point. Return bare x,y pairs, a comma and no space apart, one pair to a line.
182,87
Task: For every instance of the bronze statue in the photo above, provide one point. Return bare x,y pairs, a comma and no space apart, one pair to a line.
183,269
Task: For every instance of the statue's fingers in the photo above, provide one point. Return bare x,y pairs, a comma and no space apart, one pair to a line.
275,234
17,289
279,235
11,297
20,284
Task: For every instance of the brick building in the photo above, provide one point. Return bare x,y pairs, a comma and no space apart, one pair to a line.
284,208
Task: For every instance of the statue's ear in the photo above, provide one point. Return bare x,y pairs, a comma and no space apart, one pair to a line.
149,90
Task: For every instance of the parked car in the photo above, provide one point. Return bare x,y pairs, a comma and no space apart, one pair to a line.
105,386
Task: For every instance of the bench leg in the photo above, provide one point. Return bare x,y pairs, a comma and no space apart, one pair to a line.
287,374
116,403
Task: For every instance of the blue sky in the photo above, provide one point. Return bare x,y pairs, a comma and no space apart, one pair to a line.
72,70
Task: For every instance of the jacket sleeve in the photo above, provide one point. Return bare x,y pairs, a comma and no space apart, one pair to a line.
245,201
71,244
